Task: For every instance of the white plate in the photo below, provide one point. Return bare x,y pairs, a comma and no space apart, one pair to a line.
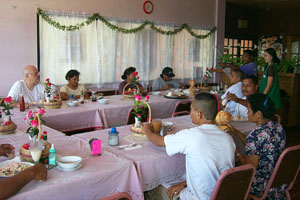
16,160
157,93
72,104
69,169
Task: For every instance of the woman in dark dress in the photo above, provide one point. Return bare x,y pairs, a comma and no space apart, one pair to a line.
263,145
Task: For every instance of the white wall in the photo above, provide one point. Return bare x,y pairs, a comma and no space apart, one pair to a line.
18,30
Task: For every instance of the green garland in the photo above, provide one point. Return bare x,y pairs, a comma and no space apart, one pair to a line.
96,16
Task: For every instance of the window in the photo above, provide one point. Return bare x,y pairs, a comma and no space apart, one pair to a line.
236,47
101,54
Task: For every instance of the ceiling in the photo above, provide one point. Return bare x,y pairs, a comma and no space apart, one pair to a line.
292,5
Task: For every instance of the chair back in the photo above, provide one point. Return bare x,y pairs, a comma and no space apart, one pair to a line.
182,108
285,171
234,184
131,116
118,196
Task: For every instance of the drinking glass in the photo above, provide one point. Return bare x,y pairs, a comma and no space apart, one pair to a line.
156,124
36,149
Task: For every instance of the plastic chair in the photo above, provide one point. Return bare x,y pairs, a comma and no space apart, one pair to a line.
118,196
182,108
131,116
285,171
234,183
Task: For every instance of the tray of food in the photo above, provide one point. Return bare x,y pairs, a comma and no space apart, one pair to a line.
12,167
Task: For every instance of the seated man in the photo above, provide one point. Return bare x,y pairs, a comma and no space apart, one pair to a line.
249,87
165,82
209,151
249,67
10,186
31,87
235,88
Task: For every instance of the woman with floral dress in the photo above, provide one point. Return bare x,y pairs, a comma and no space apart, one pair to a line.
263,145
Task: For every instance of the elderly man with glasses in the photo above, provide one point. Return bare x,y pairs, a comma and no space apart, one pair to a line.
31,87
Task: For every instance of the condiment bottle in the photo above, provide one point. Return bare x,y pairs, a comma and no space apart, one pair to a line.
82,97
113,137
45,138
52,155
71,98
22,103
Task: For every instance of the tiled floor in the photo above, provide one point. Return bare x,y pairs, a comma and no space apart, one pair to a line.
293,138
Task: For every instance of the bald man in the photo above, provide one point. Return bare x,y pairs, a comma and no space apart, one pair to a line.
31,87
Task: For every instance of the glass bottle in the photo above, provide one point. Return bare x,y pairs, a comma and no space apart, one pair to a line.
81,97
113,137
71,98
22,103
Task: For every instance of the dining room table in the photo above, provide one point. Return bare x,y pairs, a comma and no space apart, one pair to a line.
97,177
92,115
153,165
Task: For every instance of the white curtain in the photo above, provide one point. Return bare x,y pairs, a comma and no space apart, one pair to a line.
101,54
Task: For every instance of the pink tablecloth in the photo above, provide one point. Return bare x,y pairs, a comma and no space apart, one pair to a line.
98,177
153,164
69,118
115,113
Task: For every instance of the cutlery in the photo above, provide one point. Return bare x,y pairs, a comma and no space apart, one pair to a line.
129,145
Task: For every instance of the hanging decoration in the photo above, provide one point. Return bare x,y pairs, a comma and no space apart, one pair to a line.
96,16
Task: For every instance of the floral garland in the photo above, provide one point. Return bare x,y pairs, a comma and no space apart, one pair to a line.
96,16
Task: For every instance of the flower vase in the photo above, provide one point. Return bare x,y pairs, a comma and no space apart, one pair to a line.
137,123
47,99
7,118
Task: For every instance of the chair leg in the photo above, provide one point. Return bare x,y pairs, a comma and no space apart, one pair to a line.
288,196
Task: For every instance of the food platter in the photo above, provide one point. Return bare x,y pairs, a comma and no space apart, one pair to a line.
10,168
176,97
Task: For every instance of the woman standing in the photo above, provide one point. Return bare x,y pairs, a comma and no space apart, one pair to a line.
263,145
269,84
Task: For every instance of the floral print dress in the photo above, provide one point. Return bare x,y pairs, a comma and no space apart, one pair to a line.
267,141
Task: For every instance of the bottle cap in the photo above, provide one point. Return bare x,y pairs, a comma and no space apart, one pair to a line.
113,130
52,149
71,96
45,132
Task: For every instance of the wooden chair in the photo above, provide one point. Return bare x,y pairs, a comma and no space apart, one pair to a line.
182,108
234,184
131,115
118,196
285,171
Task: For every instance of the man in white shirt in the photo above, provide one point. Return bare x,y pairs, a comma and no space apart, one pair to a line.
209,151
31,87
165,82
235,88
249,87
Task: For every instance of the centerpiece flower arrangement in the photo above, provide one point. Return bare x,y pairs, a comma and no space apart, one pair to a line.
207,75
28,151
139,110
6,103
52,100
47,89
32,119
134,83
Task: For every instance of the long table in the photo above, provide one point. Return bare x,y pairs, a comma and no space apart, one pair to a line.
97,178
97,116
153,164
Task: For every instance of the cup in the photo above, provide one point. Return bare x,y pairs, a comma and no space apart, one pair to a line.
156,125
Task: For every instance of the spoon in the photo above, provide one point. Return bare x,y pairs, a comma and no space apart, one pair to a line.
129,145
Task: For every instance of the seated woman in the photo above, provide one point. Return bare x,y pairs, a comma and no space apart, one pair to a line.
263,145
128,78
73,87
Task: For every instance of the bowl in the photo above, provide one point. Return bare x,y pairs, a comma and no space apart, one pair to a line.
72,103
69,162
167,125
102,101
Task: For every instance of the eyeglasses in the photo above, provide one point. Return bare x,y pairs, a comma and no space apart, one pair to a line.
35,73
